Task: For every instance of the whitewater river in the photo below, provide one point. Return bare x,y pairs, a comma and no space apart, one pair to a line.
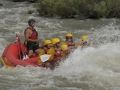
93,68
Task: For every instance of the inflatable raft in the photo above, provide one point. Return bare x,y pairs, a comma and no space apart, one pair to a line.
13,55
16,54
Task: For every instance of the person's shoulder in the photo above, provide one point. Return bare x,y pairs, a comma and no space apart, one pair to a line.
28,29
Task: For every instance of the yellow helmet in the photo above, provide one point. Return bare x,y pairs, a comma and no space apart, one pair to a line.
64,47
84,37
47,42
69,35
55,40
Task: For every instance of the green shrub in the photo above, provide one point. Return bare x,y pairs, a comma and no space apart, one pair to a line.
113,8
65,8
62,8
101,9
70,8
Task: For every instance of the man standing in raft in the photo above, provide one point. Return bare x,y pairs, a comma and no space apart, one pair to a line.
31,37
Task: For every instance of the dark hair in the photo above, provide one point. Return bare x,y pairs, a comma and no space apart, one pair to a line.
30,21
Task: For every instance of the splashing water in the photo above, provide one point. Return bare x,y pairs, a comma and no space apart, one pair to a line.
93,68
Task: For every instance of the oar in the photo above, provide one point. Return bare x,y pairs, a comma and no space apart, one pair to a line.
17,40
20,46
45,57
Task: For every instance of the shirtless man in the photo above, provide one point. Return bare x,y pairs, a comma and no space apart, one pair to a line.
31,37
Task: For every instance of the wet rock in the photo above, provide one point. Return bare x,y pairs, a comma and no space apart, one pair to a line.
30,12
1,4
92,15
81,16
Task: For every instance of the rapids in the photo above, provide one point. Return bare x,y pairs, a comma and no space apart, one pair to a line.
94,68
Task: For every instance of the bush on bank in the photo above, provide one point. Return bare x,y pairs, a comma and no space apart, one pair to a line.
62,8
73,8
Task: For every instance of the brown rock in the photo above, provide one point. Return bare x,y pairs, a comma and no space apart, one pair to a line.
1,4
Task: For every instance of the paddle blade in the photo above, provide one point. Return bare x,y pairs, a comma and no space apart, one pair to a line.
45,57
25,57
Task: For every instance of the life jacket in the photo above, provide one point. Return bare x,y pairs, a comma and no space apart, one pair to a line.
44,48
58,52
58,55
43,51
34,34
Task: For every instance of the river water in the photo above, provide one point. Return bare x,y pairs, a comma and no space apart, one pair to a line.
94,68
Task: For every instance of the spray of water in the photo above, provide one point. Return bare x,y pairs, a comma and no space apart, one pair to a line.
93,68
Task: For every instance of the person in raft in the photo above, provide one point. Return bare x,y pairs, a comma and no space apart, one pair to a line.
31,38
46,49
85,42
60,51
69,41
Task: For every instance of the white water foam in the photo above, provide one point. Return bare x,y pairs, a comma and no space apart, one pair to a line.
93,68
